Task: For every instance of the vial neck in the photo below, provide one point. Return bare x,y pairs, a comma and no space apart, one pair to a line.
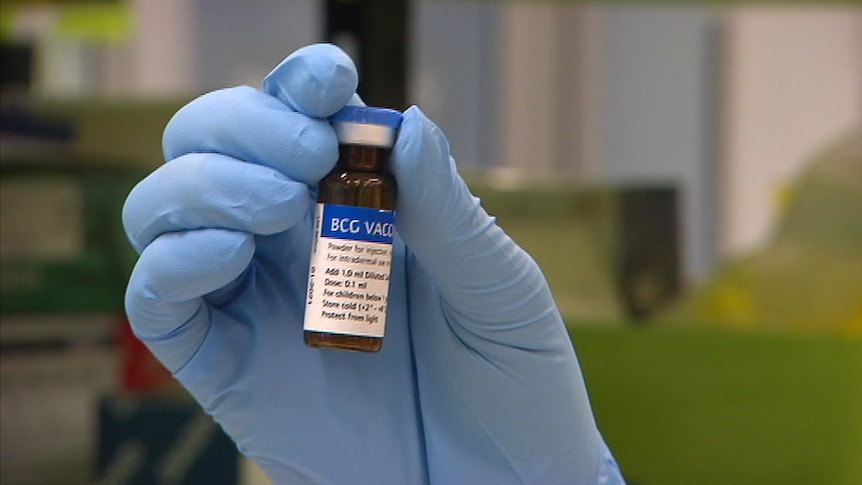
362,157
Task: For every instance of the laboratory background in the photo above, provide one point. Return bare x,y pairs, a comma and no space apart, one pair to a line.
689,178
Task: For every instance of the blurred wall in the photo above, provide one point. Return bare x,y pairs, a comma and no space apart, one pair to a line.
454,63
176,48
722,102
658,113
574,93
793,84
240,42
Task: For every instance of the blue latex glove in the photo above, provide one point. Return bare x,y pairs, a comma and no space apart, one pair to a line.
477,382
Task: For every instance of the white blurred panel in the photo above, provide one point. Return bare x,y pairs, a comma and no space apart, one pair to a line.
794,84
658,112
49,399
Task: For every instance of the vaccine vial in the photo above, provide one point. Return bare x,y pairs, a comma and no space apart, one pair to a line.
351,254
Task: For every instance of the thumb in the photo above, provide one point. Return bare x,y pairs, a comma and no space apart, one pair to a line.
480,272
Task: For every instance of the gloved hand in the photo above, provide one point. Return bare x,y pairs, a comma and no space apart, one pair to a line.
477,381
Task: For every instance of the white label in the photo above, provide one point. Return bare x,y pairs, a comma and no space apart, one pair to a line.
348,281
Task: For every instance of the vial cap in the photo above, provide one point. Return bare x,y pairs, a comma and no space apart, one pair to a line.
368,115
364,125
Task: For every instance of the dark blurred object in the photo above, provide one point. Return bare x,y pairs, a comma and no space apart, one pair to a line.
16,66
162,441
374,33
647,260
25,134
17,122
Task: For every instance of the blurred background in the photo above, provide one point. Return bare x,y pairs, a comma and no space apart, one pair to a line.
688,177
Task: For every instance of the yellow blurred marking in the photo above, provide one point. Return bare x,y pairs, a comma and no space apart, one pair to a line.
95,22
110,22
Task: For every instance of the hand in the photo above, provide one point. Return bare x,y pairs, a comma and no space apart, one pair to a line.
477,381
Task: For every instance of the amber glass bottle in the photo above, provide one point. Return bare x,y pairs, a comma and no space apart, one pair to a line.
348,283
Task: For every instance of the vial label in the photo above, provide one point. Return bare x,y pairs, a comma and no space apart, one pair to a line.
348,281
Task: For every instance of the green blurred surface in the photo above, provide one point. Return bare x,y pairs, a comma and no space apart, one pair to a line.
808,277
115,144
710,407
93,279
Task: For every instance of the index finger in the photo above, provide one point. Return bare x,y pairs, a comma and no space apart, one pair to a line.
282,127
316,80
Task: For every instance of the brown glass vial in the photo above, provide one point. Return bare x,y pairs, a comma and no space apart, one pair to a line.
346,302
